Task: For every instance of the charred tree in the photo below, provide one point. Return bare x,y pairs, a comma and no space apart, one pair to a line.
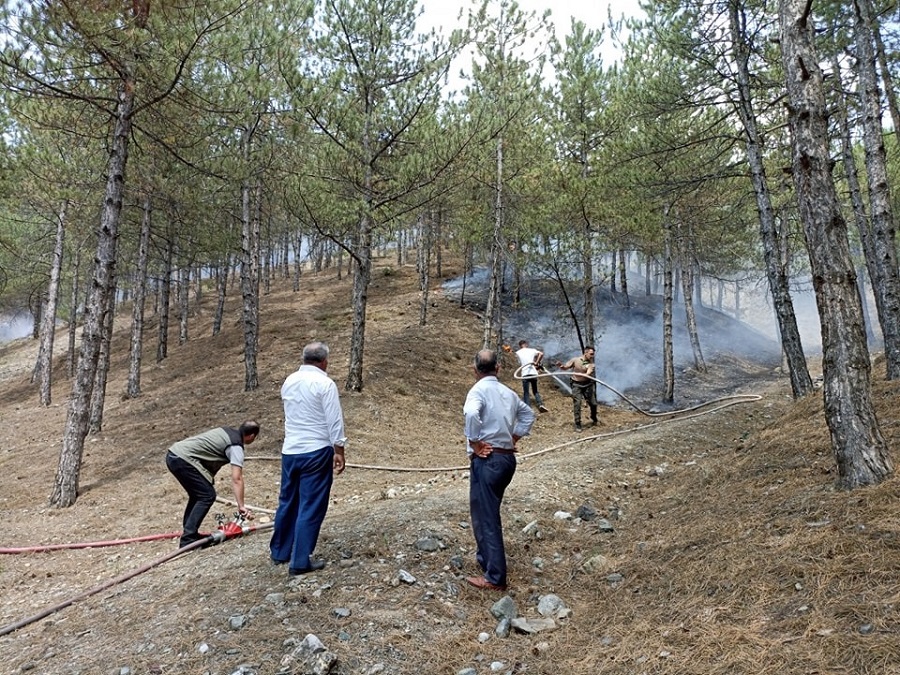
859,447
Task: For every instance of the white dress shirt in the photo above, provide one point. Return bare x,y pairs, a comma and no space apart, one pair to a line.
312,412
494,413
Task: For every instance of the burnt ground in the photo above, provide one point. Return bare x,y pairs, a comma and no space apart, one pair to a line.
730,551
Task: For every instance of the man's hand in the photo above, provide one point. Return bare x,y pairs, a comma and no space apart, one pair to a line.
482,448
245,513
339,462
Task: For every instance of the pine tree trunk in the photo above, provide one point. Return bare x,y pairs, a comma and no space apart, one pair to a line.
587,283
98,396
133,386
490,333
73,314
298,263
687,282
613,267
648,281
890,91
859,448
184,295
65,490
887,284
623,277
361,278
221,289
668,347
423,262
48,325
165,288
851,173
249,287
779,285
438,243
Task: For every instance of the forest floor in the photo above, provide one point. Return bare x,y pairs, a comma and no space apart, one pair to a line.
724,546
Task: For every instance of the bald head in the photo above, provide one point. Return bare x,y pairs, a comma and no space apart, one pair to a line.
486,362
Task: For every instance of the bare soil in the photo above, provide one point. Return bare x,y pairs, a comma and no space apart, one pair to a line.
733,550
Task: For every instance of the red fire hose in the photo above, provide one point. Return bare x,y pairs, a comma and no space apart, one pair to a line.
226,531
89,544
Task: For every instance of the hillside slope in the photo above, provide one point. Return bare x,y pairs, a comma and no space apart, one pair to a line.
727,551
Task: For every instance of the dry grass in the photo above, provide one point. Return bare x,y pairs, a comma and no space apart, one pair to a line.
738,557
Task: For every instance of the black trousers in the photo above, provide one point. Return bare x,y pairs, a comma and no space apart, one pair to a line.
488,478
201,496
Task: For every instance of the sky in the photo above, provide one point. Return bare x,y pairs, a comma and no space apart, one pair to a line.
442,14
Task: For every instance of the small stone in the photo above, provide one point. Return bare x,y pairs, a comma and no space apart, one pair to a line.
605,526
504,608
597,563
203,649
237,621
586,512
504,627
562,515
484,637
866,629
406,577
552,605
524,625
467,671
341,612
429,544
540,648
615,578
497,666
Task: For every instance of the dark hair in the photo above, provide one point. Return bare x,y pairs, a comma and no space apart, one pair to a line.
315,352
248,428
523,342
486,362
591,347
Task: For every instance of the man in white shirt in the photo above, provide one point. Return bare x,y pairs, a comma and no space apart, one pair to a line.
530,359
495,419
313,451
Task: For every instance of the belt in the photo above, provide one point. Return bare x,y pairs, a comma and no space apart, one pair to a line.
504,451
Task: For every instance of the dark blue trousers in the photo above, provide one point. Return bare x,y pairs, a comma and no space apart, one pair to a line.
302,503
201,496
488,479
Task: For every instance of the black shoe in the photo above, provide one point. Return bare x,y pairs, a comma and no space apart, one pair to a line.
542,408
594,422
314,565
279,562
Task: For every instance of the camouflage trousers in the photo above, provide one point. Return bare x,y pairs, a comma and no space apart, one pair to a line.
587,392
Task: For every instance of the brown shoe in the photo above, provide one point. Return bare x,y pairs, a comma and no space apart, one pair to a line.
484,584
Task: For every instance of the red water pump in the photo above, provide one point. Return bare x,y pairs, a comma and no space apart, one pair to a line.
231,529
